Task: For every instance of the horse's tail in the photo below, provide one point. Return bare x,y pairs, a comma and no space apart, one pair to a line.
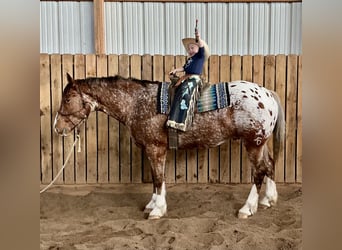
279,130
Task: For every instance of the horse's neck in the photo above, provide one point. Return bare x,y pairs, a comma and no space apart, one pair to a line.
115,99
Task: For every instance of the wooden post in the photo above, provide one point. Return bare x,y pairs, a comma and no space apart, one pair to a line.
99,29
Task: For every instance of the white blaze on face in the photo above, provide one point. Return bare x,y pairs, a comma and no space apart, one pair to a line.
253,105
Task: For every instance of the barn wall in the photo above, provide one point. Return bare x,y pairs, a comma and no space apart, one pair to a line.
158,27
107,154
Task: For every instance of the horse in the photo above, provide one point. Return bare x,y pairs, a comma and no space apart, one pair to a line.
254,114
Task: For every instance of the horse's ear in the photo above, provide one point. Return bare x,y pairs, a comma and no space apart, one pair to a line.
70,79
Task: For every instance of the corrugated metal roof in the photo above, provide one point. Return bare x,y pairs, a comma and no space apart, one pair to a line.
157,28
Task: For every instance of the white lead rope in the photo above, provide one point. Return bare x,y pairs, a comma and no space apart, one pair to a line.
61,170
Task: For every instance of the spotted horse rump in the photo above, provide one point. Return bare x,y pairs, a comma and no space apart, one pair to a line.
253,115
255,109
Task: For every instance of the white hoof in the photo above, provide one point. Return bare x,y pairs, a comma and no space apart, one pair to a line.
243,216
271,196
248,210
153,217
251,205
265,203
160,208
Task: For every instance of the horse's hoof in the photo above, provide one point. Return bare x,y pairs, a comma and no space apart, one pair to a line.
243,216
154,217
263,206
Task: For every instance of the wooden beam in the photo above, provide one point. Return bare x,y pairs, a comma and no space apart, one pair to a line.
99,28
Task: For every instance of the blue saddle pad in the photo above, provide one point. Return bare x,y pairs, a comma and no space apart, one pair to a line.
216,96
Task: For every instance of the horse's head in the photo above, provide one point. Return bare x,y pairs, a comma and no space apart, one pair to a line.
73,110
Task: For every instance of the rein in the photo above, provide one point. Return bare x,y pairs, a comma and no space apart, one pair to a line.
61,170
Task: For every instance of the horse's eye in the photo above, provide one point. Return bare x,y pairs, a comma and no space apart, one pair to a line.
67,100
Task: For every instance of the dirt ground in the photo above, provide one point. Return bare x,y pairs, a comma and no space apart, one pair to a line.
200,216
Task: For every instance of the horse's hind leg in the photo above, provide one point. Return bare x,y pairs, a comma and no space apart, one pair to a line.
271,194
262,164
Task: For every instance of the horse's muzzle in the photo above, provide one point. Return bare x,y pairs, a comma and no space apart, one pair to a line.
62,131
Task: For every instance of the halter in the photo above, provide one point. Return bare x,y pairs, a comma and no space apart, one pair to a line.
75,125
83,117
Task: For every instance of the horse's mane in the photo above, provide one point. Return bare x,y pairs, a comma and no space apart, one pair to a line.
113,79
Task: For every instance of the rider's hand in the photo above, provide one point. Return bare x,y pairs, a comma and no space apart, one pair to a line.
173,72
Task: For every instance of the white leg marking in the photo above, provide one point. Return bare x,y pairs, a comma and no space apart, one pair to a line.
160,204
271,196
151,204
251,205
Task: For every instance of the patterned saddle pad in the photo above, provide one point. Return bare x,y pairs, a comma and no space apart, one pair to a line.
216,96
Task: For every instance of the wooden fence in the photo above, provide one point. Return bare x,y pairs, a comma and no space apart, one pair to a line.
107,152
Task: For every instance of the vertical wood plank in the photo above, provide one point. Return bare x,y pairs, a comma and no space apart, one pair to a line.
191,170
258,69
69,170
158,67
102,128
280,85
125,139
137,160
114,170
169,64
80,157
270,84
180,154
91,128
214,153
247,75
56,88
147,74
299,125
202,165
45,119
225,148
99,27
235,144
291,122
147,71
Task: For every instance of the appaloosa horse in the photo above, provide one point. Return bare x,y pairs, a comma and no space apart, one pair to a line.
254,113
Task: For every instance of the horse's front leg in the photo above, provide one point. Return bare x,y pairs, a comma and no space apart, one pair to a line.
157,207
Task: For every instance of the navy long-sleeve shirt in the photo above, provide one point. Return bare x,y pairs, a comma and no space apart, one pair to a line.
194,64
